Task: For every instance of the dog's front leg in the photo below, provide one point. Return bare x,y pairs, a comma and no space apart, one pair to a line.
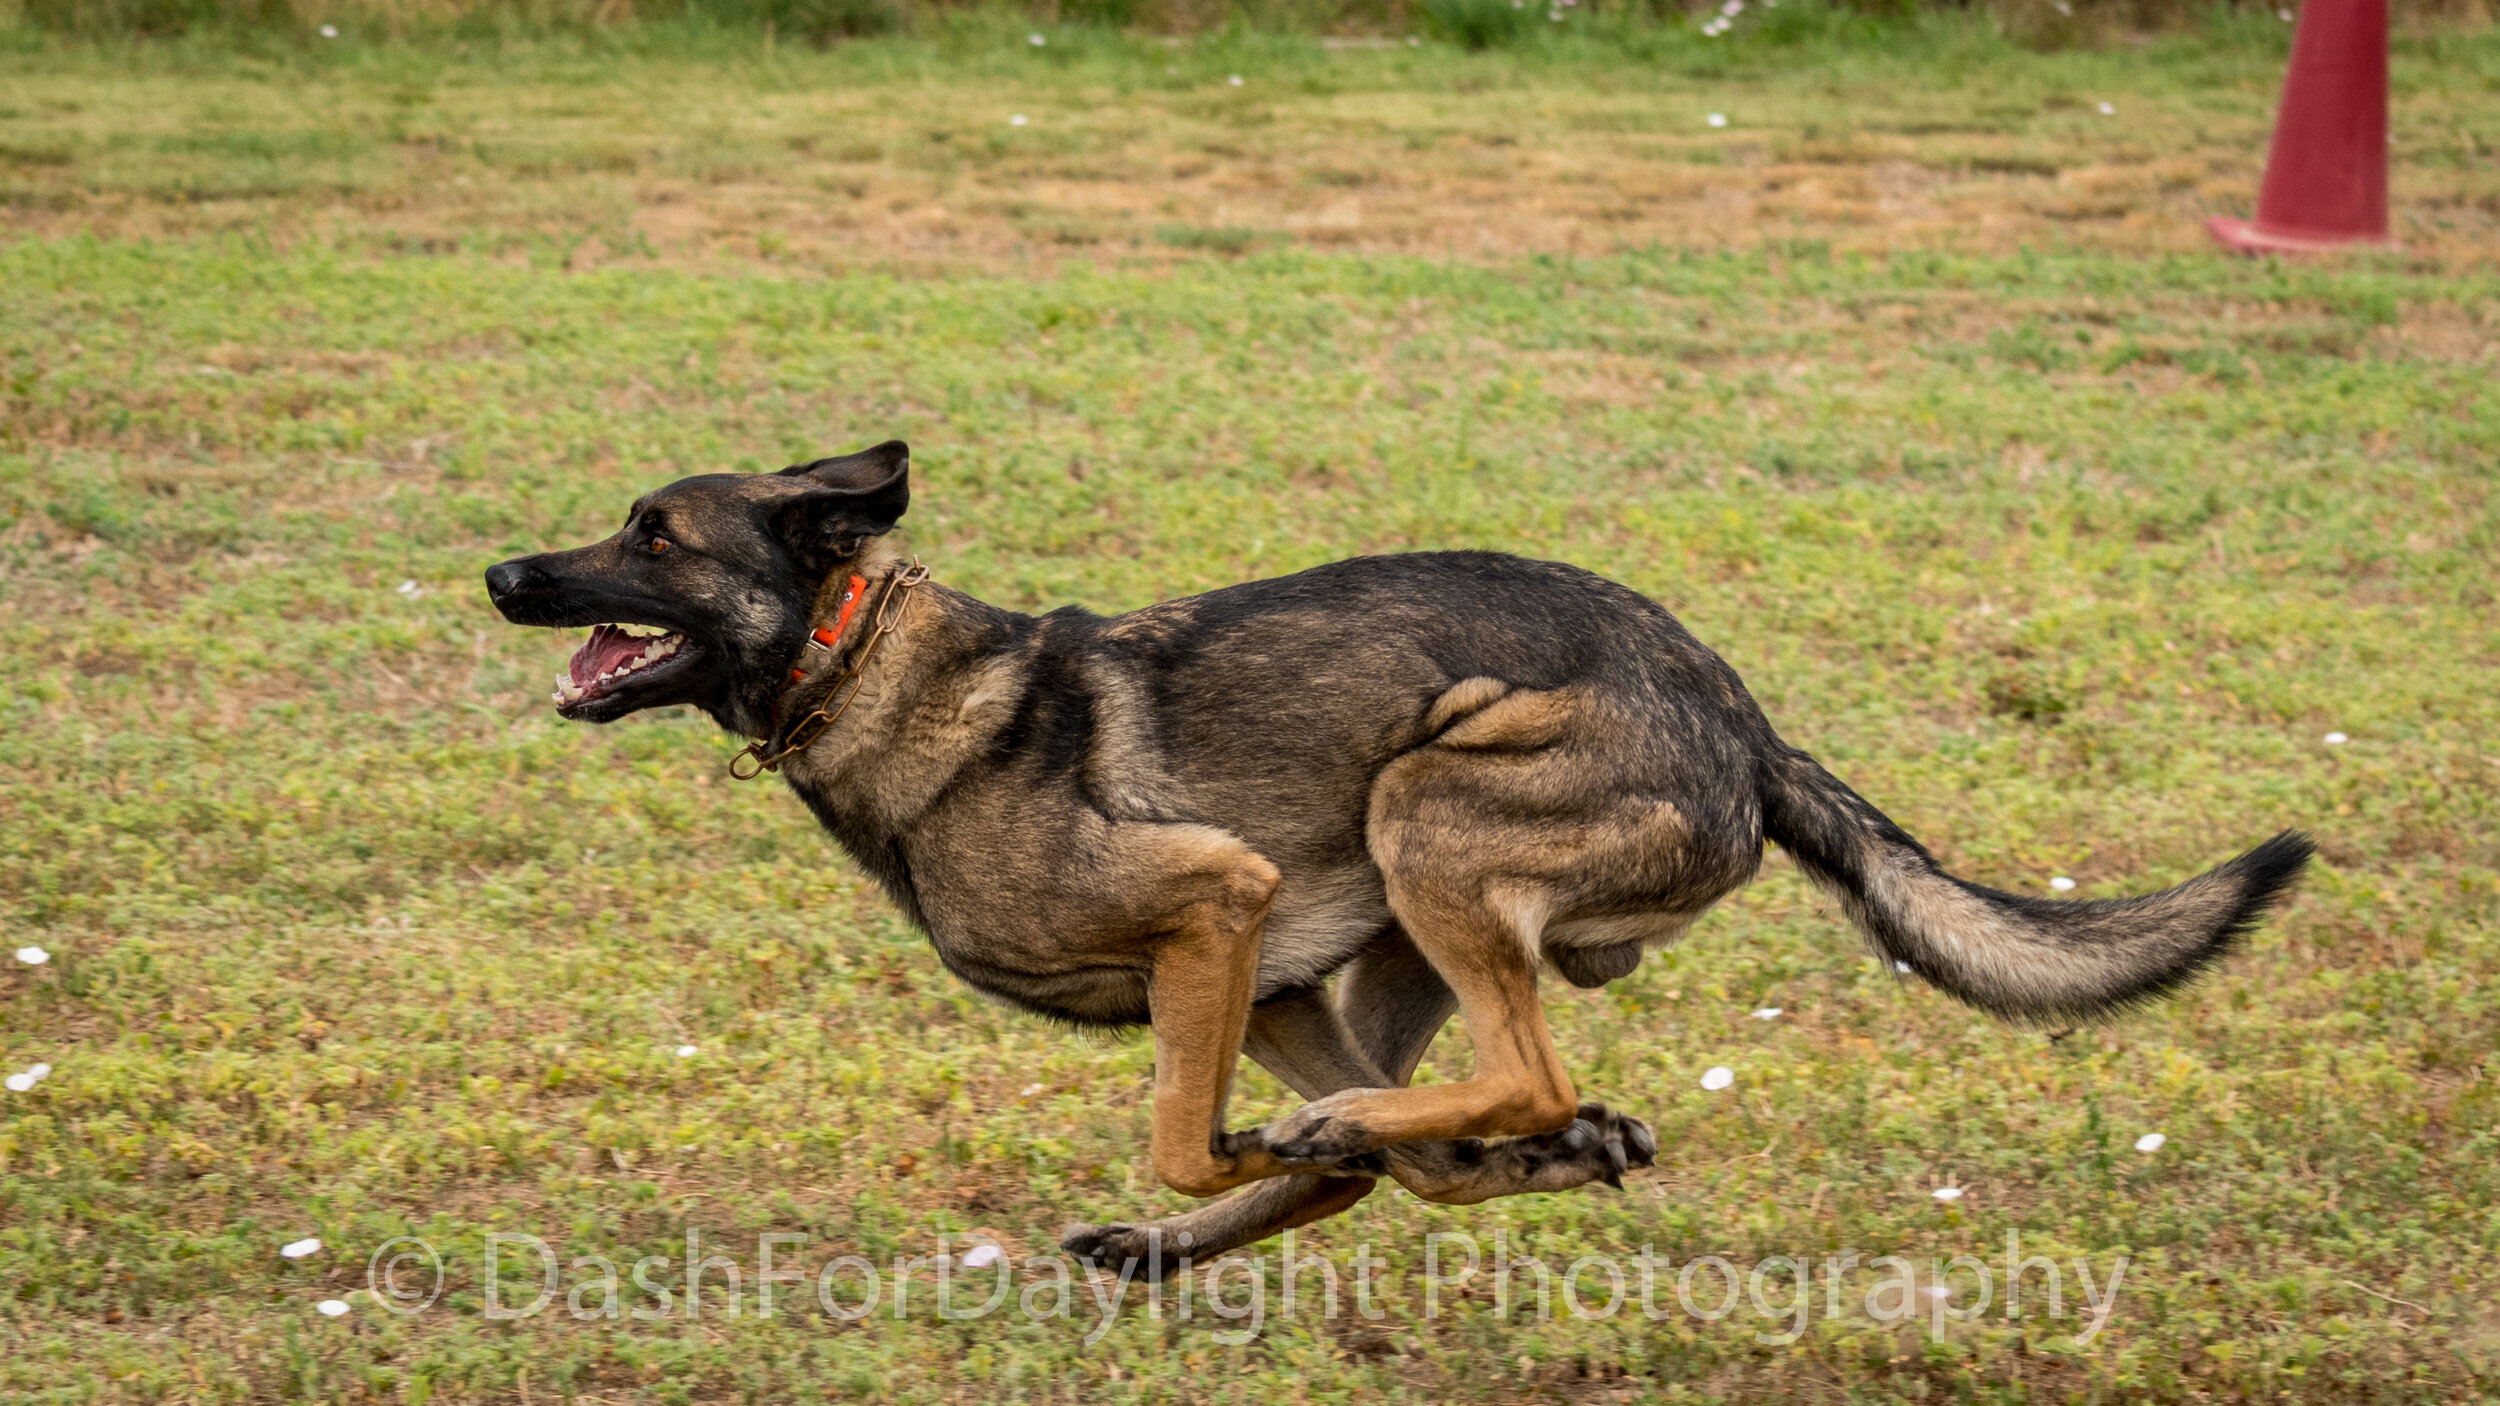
1205,973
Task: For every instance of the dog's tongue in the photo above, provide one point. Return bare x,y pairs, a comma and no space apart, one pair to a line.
606,648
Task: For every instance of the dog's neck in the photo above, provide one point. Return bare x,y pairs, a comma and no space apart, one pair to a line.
850,603
875,566
757,711
929,700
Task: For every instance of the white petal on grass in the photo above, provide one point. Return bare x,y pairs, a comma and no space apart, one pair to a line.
39,1072
1716,119
1030,1090
329,31
33,956
2062,884
2109,109
1767,1013
1937,1291
2336,739
2150,1142
1947,1193
1718,1077
408,589
331,1308
1035,40
19,1083
1234,79
980,1255
301,1249
1016,121
2283,15
686,1051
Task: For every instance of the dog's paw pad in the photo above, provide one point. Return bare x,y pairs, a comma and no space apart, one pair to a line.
1104,1244
1323,1146
1317,1136
1599,1145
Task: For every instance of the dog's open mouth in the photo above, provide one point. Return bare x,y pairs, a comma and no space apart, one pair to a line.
615,655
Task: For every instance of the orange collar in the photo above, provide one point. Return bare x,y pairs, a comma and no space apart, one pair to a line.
786,740
824,635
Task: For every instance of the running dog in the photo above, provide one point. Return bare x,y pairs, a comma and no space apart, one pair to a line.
1308,817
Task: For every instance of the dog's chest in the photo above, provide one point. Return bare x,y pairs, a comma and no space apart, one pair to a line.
1085,956
993,949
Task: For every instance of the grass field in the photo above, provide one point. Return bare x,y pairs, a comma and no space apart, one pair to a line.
1911,389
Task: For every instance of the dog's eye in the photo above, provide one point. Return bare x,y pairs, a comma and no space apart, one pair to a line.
659,545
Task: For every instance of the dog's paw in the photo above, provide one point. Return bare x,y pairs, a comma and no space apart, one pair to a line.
1600,1145
1373,1164
1319,1136
1113,1245
1142,1252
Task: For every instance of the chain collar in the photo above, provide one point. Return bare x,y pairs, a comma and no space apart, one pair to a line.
787,740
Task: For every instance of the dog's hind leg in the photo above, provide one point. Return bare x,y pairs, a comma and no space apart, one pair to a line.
1393,1003
1299,1039
1519,1085
1389,1005
1517,814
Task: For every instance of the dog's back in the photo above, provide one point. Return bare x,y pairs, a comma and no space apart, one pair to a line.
1425,776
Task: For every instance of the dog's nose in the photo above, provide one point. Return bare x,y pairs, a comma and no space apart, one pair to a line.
506,580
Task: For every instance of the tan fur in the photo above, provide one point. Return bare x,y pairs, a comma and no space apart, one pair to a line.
1460,699
1993,949
1422,779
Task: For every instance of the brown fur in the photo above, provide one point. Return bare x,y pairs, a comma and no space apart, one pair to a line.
1420,778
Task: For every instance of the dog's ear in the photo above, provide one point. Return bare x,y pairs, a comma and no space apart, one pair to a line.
848,500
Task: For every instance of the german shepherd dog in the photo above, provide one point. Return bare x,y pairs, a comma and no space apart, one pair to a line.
1423,778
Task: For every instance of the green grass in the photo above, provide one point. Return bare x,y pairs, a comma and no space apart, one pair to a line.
822,23
718,149
2067,556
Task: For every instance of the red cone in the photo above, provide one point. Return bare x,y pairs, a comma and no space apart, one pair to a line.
2326,178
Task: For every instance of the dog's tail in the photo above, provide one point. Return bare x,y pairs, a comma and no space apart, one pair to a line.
2022,958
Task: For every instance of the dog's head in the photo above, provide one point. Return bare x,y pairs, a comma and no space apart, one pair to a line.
705,595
